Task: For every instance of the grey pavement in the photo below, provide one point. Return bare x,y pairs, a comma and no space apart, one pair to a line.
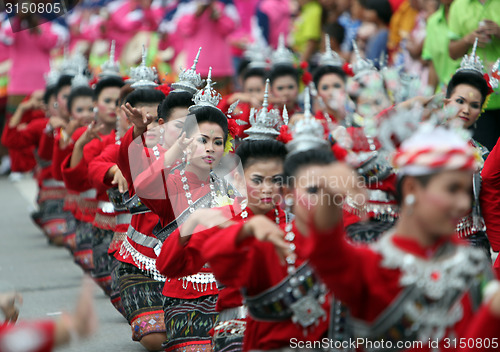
46,276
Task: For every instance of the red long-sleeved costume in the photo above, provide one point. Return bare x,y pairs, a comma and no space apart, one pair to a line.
255,266
177,260
357,277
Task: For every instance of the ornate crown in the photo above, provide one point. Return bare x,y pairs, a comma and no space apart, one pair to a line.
189,79
472,62
72,64
257,55
282,56
143,76
307,133
494,76
360,65
110,68
52,76
330,57
80,80
206,96
265,123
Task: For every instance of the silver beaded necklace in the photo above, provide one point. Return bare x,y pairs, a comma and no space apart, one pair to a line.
244,214
156,152
188,195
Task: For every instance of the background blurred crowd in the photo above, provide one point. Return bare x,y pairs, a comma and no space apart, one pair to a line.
414,34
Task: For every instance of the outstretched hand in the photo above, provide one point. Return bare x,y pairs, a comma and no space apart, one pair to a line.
207,218
92,132
8,305
337,183
120,181
266,230
138,117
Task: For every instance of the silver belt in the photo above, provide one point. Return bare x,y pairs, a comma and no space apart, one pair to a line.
106,207
141,239
90,193
240,312
53,183
123,218
376,195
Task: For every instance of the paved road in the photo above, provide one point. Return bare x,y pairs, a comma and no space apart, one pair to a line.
46,276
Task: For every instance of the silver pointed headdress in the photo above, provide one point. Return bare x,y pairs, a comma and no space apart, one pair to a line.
361,66
265,124
330,57
258,55
282,55
206,96
52,76
307,133
472,62
72,64
110,68
142,75
80,80
189,79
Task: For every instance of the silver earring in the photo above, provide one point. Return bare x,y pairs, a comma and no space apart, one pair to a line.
410,199
475,124
162,131
288,204
95,110
409,202
56,105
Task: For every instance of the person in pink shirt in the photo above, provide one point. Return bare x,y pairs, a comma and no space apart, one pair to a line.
84,26
209,24
279,14
29,51
125,18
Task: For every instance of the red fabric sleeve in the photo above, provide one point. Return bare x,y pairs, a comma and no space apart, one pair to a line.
338,262
483,326
21,138
151,187
177,260
35,336
132,158
46,146
490,196
58,154
123,156
99,166
223,252
76,178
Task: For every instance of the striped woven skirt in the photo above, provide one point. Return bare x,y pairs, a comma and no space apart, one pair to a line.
142,300
188,323
103,262
83,245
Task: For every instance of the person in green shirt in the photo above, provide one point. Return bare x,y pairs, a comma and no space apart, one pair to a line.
468,20
435,49
307,29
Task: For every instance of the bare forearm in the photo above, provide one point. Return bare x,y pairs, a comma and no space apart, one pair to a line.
16,118
77,154
309,50
459,48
